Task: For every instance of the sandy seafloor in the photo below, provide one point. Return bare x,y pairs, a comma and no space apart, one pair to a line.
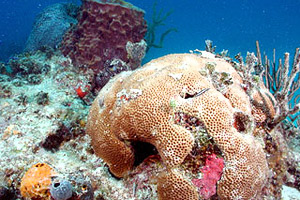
34,107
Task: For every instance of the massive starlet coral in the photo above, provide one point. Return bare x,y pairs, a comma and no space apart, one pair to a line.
142,105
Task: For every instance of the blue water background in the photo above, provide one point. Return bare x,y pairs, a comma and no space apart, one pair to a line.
230,24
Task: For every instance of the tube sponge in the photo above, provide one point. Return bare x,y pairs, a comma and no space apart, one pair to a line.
61,190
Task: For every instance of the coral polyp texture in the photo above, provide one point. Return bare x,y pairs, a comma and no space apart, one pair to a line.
36,182
144,105
104,37
172,186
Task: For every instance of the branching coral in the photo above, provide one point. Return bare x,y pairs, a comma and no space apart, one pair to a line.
283,81
272,92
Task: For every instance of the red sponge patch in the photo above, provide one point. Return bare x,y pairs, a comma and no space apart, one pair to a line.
212,172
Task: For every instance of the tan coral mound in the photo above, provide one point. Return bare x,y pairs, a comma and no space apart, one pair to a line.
180,187
141,106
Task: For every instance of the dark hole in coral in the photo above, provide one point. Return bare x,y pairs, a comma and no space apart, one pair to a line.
142,150
100,197
270,144
188,96
42,98
56,185
87,191
189,122
3,191
296,173
239,122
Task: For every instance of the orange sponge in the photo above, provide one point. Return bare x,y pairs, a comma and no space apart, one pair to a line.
36,181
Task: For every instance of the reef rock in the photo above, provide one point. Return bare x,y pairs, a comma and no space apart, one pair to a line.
145,105
51,25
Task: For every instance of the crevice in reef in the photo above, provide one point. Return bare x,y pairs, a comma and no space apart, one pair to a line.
204,143
142,150
196,94
238,122
242,122
195,160
189,122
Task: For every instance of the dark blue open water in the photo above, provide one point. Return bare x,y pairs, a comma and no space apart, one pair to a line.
230,24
